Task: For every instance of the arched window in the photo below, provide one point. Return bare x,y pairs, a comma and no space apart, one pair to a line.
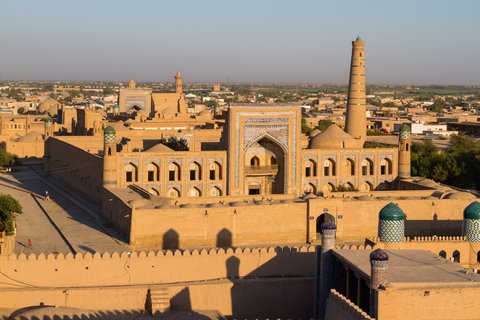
254,161
350,167
478,257
324,217
153,192
215,171
367,167
310,188
456,256
109,151
329,168
194,192
195,171
273,160
131,173
173,172
153,172
215,192
406,147
310,168
385,166
173,192
443,254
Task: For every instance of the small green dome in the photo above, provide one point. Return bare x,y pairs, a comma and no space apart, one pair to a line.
472,211
405,128
109,130
358,39
392,212
116,106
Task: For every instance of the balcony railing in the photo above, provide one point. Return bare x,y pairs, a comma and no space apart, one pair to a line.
261,170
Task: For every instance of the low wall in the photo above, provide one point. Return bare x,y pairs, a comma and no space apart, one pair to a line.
277,223
453,302
7,244
81,170
262,282
268,298
341,308
467,252
132,268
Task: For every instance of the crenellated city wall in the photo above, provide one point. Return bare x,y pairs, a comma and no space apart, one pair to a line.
265,281
341,308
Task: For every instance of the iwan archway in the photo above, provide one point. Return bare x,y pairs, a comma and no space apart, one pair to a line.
264,167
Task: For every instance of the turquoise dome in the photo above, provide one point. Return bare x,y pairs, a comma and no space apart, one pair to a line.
116,106
472,211
392,212
109,130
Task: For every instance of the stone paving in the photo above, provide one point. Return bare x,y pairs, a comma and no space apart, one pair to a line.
78,223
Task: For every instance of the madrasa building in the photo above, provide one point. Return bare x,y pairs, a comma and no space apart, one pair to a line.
249,175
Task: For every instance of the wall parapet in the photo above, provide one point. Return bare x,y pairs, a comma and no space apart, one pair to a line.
153,267
343,305
354,247
425,239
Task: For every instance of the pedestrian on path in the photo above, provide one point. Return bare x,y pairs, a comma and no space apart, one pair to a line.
47,196
29,243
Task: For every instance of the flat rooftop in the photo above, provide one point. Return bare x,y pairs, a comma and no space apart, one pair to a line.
409,266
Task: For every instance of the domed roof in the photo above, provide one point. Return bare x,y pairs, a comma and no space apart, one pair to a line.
332,138
472,211
391,212
314,133
159,147
328,226
109,130
379,255
459,195
47,104
116,106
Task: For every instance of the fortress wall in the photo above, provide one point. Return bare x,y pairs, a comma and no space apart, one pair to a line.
341,308
81,170
429,303
116,212
357,219
270,298
152,267
279,223
467,250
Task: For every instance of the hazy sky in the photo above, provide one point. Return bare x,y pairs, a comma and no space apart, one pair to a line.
408,42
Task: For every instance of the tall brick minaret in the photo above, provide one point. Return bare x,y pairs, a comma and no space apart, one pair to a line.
356,121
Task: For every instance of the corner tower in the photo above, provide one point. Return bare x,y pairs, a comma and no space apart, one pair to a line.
356,121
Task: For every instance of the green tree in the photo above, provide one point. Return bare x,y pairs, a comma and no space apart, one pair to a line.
324,124
9,206
437,106
305,128
6,158
175,143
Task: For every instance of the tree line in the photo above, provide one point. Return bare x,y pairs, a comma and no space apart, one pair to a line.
458,165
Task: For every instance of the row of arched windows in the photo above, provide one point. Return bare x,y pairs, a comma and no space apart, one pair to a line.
330,169
194,192
174,172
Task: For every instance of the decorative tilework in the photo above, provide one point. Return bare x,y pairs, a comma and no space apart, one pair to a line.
391,231
472,230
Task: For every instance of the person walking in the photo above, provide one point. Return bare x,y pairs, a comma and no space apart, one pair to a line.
29,243
47,196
